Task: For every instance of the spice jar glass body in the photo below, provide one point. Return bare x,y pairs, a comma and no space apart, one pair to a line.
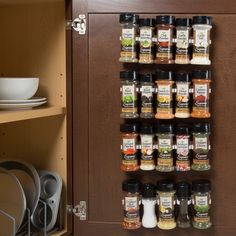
129,24
183,31
201,201
201,37
131,202
129,105
146,53
165,30
182,101
201,143
129,137
147,89
165,136
166,202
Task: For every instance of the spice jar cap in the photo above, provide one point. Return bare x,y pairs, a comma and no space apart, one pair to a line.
164,75
202,185
146,129
149,190
165,128
182,77
147,78
165,19
129,128
201,74
128,75
202,20
129,18
147,22
131,186
183,22
183,190
201,128
166,186
182,129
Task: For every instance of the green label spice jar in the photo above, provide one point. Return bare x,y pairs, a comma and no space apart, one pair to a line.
166,201
165,148
146,53
129,23
201,201
146,89
201,142
201,40
131,192
129,106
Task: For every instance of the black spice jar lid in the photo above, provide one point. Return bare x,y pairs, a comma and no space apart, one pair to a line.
201,74
182,129
166,186
149,190
165,19
202,20
183,22
129,75
165,129
201,128
147,22
183,190
129,128
129,18
182,77
202,185
131,186
165,75
146,129
147,78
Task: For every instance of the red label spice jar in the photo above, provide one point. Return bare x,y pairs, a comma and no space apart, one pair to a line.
201,86
164,95
165,31
129,136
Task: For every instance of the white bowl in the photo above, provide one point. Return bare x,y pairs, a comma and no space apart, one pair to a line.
18,88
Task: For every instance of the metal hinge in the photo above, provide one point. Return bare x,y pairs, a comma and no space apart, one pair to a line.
78,24
79,210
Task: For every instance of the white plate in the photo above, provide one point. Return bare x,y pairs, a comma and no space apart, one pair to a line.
34,99
20,106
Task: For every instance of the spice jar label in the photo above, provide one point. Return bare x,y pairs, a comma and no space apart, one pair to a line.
145,38
147,147
129,153
129,98
164,98
131,211
201,99
163,36
146,97
182,41
165,155
201,38
182,97
182,160
166,208
164,44
201,209
201,143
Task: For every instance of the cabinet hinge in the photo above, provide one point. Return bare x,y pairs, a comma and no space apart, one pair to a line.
78,24
79,210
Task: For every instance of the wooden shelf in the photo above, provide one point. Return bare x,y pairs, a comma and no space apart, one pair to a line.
11,116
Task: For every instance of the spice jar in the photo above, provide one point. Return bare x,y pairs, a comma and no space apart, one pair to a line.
201,142
183,202
165,30
131,191
129,136
165,148
182,148
129,23
129,106
182,104
201,201
166,201
201,40
149,201
201,85
146,53
183,31
146,89
164,95
147,152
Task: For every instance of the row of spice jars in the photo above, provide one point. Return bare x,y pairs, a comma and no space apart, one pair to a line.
138,146
167,83
156,42
178,204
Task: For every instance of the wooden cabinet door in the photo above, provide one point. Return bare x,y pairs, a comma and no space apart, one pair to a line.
96,114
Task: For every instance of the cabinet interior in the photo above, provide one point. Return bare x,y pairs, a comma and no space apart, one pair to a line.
32,44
